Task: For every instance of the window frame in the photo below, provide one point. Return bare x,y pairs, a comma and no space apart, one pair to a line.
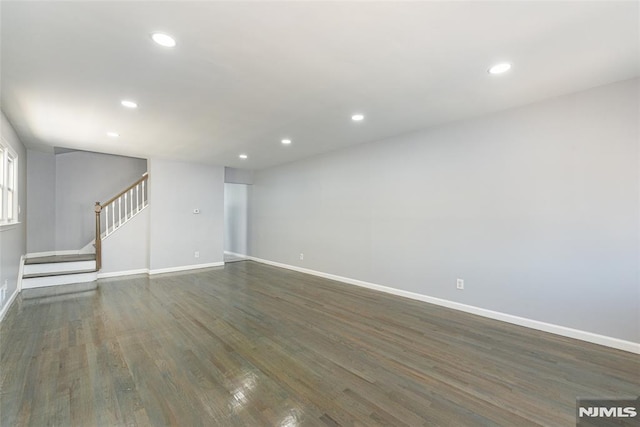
9,156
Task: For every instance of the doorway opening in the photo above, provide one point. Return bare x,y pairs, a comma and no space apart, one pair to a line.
236,222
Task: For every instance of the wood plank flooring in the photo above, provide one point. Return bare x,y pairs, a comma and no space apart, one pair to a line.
254,345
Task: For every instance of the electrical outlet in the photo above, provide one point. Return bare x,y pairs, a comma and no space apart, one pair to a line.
301,256
197,254
460,284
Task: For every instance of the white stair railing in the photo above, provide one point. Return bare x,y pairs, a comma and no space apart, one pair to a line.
121,208
118,210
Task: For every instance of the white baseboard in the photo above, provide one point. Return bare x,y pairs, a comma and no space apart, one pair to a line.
123,273
10,301
185,268
235,254
20,273
616,343
158,271
15,293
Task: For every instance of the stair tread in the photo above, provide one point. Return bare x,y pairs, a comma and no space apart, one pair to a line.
57,273
60,258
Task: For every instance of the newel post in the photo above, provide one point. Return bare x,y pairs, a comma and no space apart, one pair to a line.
98,209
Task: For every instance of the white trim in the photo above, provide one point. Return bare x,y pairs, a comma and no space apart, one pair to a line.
10,301
20,273
159,271
185,268
123,273
236,254
617,343
58,267
8,152
9,225
63,279
52,253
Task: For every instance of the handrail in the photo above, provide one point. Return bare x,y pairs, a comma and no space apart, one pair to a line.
98,209
117,196
140,199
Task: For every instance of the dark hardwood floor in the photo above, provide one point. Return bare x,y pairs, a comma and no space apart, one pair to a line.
254,345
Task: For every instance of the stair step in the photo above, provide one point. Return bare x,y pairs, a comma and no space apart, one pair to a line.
60,258
58,266
57,280
57,273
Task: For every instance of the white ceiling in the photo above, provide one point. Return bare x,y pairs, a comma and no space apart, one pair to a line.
244,75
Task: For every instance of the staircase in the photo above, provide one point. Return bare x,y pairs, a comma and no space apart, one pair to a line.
80,266
54,270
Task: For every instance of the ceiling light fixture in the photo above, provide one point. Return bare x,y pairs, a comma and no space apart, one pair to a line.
286,141
128,104
243,156
357,117
500,68
113,134
163,39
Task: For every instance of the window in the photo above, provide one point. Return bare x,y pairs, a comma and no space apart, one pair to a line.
8,185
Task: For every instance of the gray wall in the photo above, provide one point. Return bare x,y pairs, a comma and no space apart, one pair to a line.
41,195
238,176
127,249
236,218
13,238
176,233
83,178
536,208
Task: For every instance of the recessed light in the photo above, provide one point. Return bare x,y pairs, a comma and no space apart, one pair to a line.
113,134
243,156
128,104
163,39
357,117
286,141
500,68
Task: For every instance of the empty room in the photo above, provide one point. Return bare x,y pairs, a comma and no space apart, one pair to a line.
319,213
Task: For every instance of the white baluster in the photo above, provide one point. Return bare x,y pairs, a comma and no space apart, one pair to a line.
126,212
119,211
144,198
131,201
113,216
137,198
106,221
